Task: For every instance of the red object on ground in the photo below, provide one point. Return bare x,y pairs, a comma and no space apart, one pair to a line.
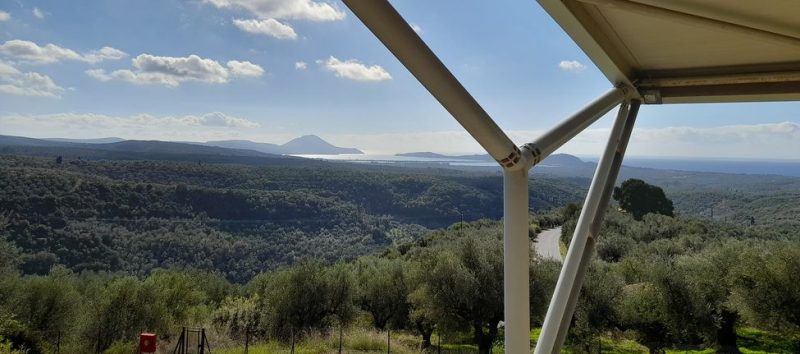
147,342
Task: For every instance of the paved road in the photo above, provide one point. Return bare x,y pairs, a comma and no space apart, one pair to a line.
547,244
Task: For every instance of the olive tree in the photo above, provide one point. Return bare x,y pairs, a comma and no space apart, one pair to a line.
463,288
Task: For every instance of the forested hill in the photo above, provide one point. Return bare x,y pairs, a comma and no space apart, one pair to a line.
134,216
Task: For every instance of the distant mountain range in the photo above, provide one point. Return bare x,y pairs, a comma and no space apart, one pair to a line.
304,145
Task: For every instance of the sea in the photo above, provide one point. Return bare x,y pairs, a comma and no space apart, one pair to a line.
737,166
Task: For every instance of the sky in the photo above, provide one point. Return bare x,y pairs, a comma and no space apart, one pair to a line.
272,70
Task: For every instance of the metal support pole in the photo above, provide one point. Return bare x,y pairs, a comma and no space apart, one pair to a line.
577,258
550,141
516,261
597,223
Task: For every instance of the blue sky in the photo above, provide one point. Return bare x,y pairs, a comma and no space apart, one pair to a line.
228,69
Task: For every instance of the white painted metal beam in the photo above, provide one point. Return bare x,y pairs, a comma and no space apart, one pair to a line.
575,263
594,230
535,151
516,257
592,41
396,34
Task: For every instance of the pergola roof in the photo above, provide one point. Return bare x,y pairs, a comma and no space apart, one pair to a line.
679,51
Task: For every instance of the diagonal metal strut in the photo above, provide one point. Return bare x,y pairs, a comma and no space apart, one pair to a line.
395,33
562,305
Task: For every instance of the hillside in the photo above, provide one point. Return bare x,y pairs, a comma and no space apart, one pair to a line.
308,144
134,216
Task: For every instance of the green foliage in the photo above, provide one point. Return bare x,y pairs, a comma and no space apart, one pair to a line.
543,275
462,288
307,297
383,289
595,311
639,198
6,348
238,316
766,286
136,216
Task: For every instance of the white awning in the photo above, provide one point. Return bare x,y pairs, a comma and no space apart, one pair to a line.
677,51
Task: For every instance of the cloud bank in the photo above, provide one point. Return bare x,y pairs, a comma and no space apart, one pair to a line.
779,140
31,53
285,9
139,126
172,71
15,82
268,12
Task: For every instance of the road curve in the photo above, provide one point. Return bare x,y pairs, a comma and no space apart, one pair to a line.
547,245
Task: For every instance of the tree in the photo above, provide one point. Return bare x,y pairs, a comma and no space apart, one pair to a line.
420,316
383,290
640,198
766,286
119,309
307,296
47,305
239,317
543,275
464,287
9,256
595,311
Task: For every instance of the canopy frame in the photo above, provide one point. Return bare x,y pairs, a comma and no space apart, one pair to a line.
632,86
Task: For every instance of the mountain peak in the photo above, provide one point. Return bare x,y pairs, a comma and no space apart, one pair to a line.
307,139
313,145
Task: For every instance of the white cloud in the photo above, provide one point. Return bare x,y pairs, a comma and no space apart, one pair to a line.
38,13
352,69
285,9
416,28
98,74
300,65
269,27
15,82
244,68
217,119
139,126
4,16
105,53
571,65
32,53
172,71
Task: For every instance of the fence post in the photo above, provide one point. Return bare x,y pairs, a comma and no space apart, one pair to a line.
340,337
292,340
246,340
388,340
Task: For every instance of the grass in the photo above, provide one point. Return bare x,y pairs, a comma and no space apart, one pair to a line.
753,340
354,341
359,340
